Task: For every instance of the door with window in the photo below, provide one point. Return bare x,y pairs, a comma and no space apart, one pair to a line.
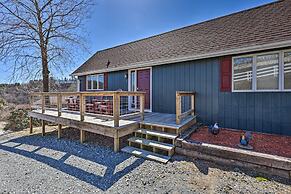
140,80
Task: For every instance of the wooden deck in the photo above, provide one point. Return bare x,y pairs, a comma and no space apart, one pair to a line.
164,120
118,120
73,119
106,126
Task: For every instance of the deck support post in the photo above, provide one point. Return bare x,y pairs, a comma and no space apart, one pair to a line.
30,125
43,127
59,131
116,141
116,109
82,136
116,144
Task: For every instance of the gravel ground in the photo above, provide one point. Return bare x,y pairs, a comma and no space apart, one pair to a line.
35,164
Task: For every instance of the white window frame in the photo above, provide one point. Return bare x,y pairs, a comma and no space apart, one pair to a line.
254,72
135,89
97,75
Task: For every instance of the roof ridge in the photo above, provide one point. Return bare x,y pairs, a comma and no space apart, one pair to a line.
210,20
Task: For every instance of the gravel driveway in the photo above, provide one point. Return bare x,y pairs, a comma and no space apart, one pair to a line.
35,164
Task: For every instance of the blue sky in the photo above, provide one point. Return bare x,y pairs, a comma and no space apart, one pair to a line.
114,22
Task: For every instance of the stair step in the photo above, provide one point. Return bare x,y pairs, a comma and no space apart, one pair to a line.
168,126
146,154
157,133
152,143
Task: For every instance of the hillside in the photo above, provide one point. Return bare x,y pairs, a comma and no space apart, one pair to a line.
18,94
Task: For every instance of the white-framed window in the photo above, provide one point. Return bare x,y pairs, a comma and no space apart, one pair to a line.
261,72
287,70
95,82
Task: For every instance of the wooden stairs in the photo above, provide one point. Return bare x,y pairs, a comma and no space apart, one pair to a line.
154,142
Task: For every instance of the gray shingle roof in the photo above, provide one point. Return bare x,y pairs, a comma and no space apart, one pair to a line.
265,24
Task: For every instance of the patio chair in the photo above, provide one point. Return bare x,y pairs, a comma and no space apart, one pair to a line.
73,104
102,106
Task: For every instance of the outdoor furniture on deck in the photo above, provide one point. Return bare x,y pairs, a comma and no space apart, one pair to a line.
89,108
103,106
73,104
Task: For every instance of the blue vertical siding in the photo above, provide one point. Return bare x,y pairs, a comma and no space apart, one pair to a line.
199,76
82,80
268,112
117,80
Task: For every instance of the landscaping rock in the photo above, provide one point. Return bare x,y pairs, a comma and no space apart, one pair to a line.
66,166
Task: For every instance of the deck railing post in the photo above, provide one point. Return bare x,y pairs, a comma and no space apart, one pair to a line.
178,108
116,109
82,107
42,103
31,101
30,118
59,104
142,104
193,104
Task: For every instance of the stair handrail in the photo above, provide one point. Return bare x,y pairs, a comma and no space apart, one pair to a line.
191,111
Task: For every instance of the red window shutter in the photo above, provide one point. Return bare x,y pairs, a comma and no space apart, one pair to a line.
106,81
225,74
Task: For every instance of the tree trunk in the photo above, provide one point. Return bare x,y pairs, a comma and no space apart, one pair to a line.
45,71
43,50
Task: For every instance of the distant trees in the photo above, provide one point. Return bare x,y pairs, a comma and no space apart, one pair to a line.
18,94
38,35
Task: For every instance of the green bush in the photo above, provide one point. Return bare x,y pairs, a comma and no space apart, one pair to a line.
19,119
2,103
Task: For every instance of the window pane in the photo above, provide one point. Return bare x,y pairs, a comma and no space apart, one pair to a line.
100,82
94,80
132,81
242,73
89,82
132,88
268,72
287,70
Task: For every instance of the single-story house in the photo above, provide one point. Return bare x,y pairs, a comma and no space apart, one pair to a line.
239,65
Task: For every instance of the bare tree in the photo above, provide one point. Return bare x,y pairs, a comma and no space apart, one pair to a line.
39,35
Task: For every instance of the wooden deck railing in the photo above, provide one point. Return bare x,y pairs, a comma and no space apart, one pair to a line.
191,111
114,95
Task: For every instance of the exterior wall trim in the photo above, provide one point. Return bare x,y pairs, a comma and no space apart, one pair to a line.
255,48
151,84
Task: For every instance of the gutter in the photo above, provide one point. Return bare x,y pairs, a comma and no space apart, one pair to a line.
254,48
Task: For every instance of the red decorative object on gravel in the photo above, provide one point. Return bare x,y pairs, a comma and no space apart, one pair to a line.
261,142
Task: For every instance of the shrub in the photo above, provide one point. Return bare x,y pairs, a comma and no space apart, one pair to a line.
19,119
2,103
